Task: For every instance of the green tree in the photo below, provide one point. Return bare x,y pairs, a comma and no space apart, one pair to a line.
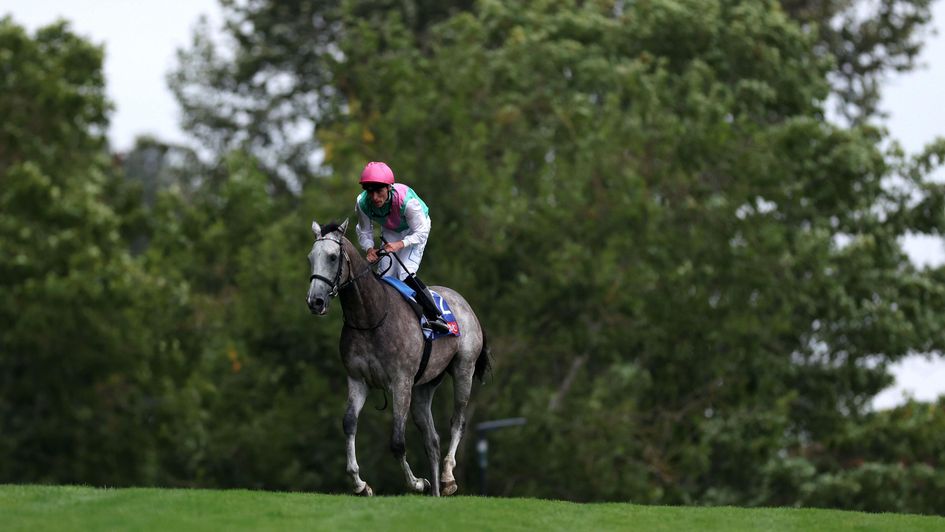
271,97
262,372
82,349
284,72
868,40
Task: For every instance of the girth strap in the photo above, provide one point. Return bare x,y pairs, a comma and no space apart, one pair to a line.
425,359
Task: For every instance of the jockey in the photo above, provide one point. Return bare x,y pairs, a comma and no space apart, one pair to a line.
405,225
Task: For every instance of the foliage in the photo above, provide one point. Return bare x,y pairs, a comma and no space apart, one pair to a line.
868,41
87,343
283,70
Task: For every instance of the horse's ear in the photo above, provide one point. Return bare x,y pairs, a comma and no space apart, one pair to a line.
316,229
343,227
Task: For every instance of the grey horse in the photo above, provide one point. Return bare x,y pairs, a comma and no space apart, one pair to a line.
382,347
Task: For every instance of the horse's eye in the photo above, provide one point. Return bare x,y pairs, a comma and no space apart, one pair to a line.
333,258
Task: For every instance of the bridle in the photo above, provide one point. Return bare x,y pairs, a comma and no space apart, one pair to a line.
337,287
333,283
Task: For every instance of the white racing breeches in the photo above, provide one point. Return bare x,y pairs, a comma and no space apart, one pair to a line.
410,256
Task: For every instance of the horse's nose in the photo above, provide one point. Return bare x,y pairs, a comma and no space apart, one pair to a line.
316,305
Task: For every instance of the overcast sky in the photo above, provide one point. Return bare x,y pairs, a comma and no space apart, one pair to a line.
141,36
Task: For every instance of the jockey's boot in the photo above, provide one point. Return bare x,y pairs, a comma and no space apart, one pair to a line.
430,311
434,318
438,324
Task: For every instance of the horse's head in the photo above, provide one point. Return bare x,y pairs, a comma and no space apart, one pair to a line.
329,265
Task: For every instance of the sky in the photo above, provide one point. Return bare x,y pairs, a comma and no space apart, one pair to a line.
141,38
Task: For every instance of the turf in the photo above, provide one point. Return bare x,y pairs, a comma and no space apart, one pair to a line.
84,508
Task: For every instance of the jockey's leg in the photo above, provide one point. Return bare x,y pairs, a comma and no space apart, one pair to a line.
410,256
388,267
430,310
395,269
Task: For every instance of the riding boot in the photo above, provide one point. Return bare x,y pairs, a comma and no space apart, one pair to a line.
434,317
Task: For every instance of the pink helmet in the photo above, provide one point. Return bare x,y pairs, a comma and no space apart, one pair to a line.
377,172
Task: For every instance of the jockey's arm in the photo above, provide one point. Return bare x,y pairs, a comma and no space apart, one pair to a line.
419,224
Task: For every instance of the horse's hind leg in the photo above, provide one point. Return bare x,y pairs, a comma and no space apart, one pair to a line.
462,385
398,443
423,417
357,394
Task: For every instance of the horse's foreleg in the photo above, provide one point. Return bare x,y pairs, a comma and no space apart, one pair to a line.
462,385
423,417
400,393
357,394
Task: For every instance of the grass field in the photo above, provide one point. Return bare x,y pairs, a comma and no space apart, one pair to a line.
82,508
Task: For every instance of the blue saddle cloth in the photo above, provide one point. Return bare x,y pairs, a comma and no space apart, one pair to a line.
440,302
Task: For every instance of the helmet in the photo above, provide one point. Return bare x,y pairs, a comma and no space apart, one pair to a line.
377,172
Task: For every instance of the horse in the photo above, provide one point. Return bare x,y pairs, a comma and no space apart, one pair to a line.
382,347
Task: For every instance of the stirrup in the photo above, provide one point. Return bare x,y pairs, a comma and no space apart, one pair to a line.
439,325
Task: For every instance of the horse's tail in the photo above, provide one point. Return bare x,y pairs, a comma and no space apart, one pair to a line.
483,361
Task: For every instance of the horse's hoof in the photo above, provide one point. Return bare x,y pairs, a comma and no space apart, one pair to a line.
448,488
366,491
421,485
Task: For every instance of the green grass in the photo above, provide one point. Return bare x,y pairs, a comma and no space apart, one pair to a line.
83,508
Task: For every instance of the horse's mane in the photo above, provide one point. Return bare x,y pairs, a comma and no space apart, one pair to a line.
330,227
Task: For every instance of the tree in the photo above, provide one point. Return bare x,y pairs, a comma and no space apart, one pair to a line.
868,41
286,75
263,372
272,96
82,350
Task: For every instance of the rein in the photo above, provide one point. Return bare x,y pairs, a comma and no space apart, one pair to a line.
336,287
